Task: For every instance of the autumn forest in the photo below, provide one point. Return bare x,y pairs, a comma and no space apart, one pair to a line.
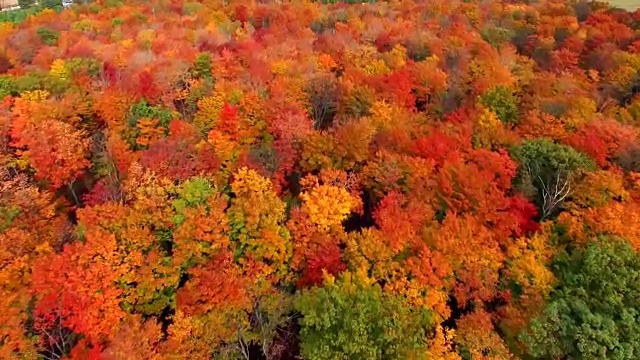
320,180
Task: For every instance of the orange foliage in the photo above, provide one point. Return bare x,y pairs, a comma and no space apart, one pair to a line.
219,153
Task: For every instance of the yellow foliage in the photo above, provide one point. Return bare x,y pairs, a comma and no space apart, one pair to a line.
383,114
397,57
209,109
261,213
356,24
327,205
418,294
280,66
145,37
35,95
194,337
149,131
11,162
441,346
6,28
218,17
527,264
628,59
621,77
248,181
59,69
352,281
243,33
634,184
366,59
597,189
582,110
369,251
490,131
87,25
366,249
376,67
488,120
148,195
126,44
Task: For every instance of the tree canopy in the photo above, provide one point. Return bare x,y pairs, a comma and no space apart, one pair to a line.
258,179
594,312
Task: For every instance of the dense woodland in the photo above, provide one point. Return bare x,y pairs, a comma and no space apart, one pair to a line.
234,179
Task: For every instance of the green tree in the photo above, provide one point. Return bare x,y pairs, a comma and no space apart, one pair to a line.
550,169
8,86
48,36
51,4
594,313
501,100
202,66
353,319
496,36
26,3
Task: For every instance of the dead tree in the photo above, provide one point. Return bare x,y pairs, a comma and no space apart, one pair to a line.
553,189
56,340
323,95
554,193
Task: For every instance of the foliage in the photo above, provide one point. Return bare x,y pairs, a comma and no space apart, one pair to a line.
546,158
7,86
202,66
503,102
173,174
352,318
16,16
551,168
47,36
593,312
26,3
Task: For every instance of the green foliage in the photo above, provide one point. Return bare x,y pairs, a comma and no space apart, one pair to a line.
112,3
497,36
79,65
196,93
18,16
501,100
8,86
546,171
41,81
143,110
117,22
360,101
156,299
351,319
418,50
190,8
51,4
545,158
202,66
7,215
94,9
594,313
48,36
194,192
15,16
26,3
